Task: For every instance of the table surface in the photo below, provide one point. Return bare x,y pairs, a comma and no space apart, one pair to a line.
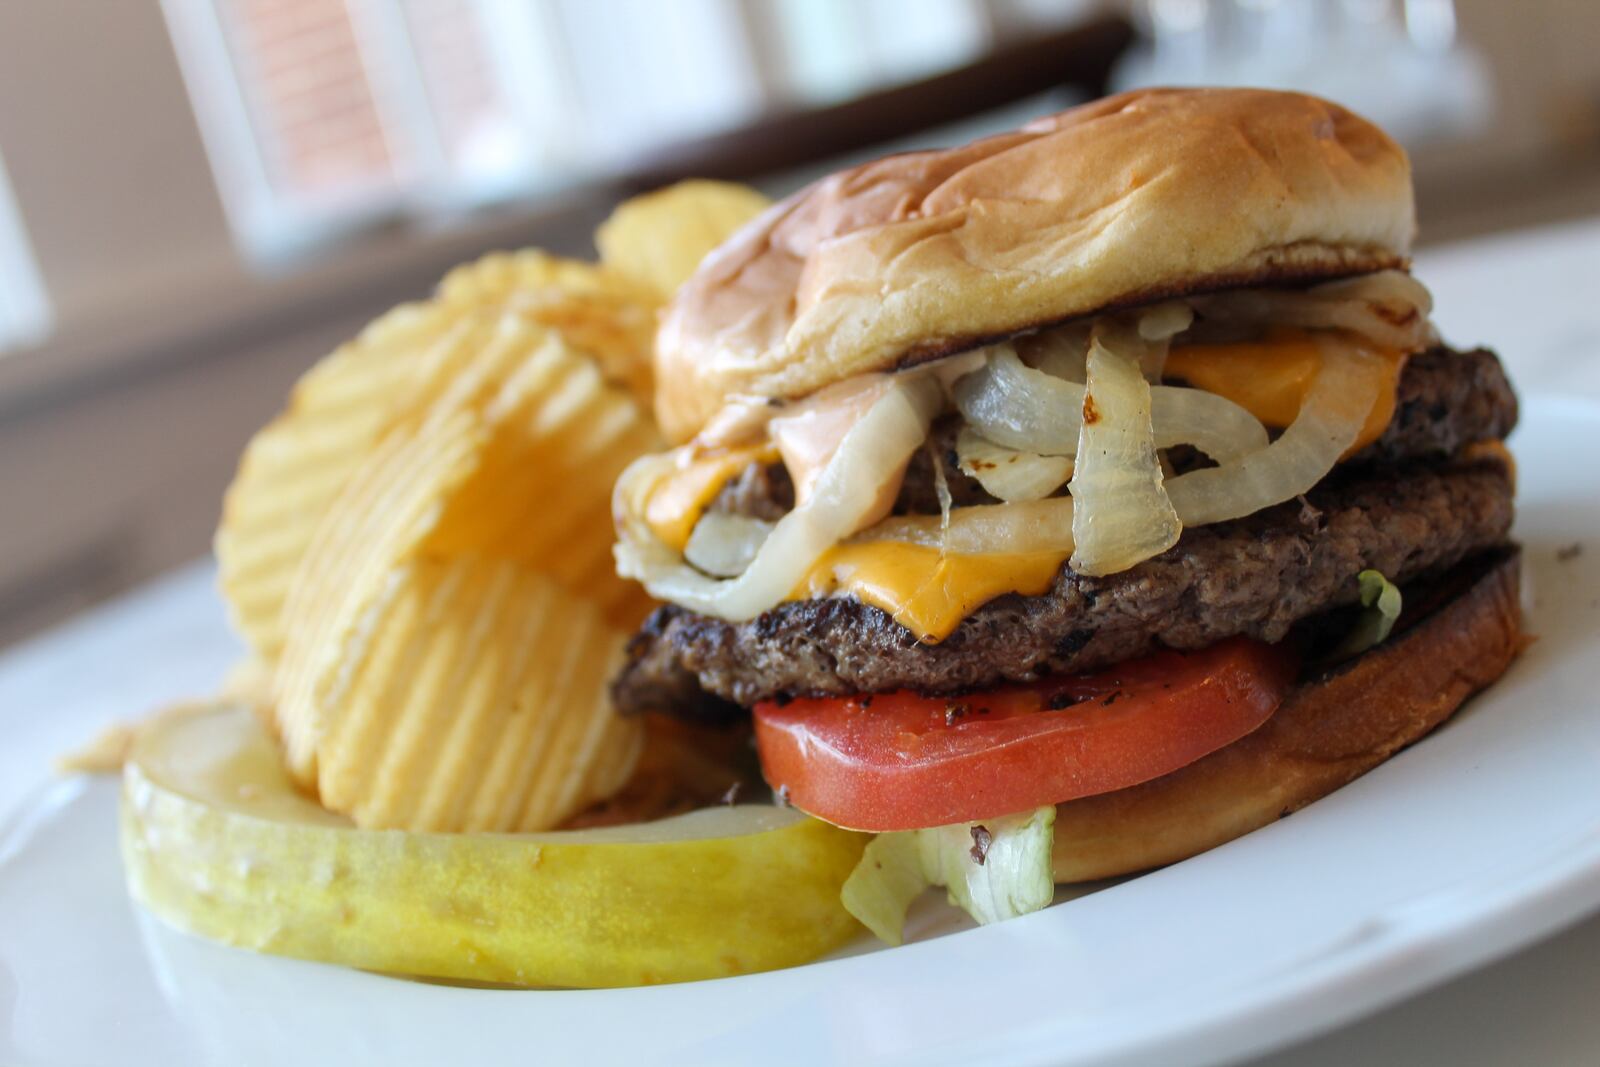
1534,296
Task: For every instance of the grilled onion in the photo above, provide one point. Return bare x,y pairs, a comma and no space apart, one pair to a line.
1014,405
1331,416
724,545
1389,308
1017,407
1007,474
1060,352
872,453
1214,424
1029,526
1122,515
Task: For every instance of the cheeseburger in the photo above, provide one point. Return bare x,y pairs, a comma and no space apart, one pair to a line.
1076,500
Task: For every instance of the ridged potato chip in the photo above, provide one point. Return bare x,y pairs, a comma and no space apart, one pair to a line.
294,468
457,620
601,311
419,549
415,358
475,698
661,236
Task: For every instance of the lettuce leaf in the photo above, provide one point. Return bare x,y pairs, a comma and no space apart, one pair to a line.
1381,599
994,870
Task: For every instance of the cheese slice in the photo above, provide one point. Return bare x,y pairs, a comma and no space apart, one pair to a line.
1270,378
926,592
677,501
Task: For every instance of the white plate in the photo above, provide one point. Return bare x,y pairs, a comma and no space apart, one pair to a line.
1482,838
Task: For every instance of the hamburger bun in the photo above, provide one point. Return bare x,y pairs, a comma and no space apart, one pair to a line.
1331,730
1125,200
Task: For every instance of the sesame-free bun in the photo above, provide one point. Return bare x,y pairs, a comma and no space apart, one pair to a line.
1132,198
1328,732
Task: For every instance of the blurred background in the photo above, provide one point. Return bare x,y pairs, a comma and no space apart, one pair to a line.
198,198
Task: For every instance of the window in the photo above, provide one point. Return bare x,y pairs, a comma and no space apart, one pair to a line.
24,310
325,115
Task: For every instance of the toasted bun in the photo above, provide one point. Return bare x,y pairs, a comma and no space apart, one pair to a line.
1329,732
1128,199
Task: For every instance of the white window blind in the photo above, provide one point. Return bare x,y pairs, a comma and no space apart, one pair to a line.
24,308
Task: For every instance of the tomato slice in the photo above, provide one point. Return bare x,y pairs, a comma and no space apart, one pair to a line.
901,761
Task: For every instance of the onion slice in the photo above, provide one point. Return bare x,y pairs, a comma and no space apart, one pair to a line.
1388,307
872,453
725,545
1031,526
1122,515
1007,474
1058,352
1016,406
1214,424
1330,418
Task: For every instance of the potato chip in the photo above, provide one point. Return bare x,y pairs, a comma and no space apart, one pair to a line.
294,468
476,698
383,516
408,362
457,618
661,237
605,313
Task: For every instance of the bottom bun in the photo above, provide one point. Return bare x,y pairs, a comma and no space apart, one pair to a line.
1330,730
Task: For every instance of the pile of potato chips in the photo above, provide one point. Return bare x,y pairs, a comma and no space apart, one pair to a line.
418,550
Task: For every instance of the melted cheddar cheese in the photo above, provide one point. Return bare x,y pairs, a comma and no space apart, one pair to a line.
677,500
1270,378
927,593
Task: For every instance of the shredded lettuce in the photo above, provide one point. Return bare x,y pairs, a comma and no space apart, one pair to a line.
994,870
1381,599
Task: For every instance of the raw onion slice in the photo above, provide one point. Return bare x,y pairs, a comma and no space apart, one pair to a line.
1122,515
872,453
724,545
1007,474
1330,418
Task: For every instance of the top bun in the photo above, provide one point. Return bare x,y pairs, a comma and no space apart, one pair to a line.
1129,199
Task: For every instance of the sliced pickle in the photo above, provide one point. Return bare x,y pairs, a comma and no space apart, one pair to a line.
217,842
